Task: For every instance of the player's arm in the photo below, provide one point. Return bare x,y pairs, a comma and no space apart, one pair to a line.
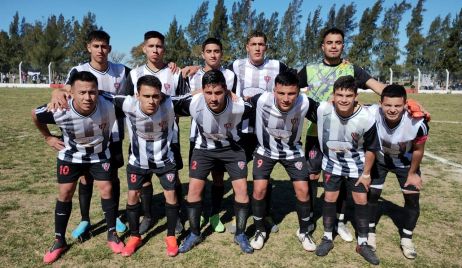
189,71
371,146
302,78
364,80
181,105
312,113
182,87
418,149
41,121
60,96
128,88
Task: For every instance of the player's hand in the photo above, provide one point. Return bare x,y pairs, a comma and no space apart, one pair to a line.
315,176
416,110
173,67
364,180
189,71
233,96
415,180
58,100
55,143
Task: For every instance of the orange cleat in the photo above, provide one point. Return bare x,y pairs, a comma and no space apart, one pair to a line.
133,243
172,246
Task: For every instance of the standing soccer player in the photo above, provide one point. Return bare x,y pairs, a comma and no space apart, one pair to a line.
319,78
279,125
212,51
111,78
150,121
349,141
217,117
403,141
173,84
86,129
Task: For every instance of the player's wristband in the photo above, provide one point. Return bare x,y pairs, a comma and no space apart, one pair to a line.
366,176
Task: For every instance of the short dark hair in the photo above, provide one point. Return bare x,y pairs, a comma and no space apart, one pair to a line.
212,40
83,76
214,77
256,34
333,30
346,82
99,35
394,91
286,78
154,34
148,80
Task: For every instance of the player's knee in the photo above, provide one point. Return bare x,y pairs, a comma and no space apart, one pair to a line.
170,197
133,197
105,189
359,198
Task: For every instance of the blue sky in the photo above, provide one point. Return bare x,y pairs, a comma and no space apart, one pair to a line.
126,21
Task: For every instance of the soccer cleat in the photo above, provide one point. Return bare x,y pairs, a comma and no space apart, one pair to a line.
114,242
306,240
343,232
258,240
325,246
54,252
203,221
82,228
232,226
190,241
133,243
172,246
179,226
146,224
271,225
216,223
372,241
120,226
366,252
243,243
408,248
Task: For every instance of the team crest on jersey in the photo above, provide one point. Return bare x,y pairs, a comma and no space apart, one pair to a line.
312,154
402,146
294,121
102,126
241,164
228,125
116,85
106,166
267,78
163,124
299,165
167,86
170,177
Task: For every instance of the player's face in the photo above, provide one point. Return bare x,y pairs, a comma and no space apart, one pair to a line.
285,96
215,97
345,101
393,108
212,56
154,50
332,46
149,98
85,96
99,51
256,48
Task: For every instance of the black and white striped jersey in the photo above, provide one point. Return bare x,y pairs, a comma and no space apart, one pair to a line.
86,138
150,135
254,80
215,130
195,83
279,133
397,143
344,141
111,80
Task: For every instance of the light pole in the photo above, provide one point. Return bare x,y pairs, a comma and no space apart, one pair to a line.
20,73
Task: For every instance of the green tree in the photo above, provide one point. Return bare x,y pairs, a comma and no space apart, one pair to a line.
176,46
137,56
197,31
345,20
415,41
361,50
311,40
78,53
219,29
330,22
288,33
242,18
4,52
452,56
15,48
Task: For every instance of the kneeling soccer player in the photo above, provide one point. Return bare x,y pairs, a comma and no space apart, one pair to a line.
86,128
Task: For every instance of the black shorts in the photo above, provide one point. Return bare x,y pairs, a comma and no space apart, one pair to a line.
263,166
175,147
379,173
68,172
332,183
117,157
218,167
232,158
136,176
313,154
249,143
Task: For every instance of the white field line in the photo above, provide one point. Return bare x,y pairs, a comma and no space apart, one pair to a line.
446,122
443,160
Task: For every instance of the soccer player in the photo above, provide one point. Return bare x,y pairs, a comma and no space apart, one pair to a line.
173,84
403,140
86,129
319,78
111,78
279,125
217,117
150,121
349,141
212,51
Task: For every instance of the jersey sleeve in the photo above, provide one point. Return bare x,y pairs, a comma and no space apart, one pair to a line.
71,73
302,78
361,76
312,113
371,139
182,87
44,116
181,105
235,87
129,87
422,133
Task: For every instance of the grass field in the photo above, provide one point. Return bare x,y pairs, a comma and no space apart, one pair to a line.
28,193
